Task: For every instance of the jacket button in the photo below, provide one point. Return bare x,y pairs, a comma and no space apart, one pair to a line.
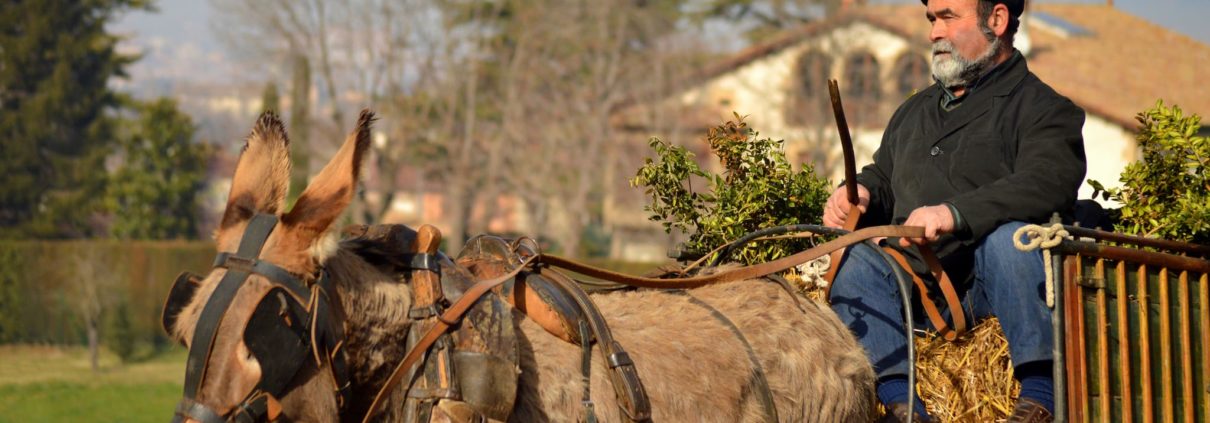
935,151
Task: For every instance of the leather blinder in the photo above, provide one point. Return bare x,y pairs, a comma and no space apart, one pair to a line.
278,336
178,297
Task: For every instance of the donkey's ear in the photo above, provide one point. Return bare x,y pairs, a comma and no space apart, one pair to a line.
332,189
262,176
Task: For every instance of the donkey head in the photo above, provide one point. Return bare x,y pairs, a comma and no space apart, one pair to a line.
259,327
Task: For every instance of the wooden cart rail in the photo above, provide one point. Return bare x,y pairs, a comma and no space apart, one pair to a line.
1135,328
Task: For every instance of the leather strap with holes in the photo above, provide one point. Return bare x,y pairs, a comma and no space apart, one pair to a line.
947,290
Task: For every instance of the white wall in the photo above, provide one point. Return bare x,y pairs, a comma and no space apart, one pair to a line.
1108,148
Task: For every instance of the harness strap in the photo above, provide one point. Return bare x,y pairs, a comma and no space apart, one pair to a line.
212,314
623,376
420,261
834,259
189,408
947,290
266,269
741,273
758,380
451,315
590,413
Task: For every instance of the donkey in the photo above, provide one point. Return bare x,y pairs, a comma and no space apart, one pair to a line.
694,367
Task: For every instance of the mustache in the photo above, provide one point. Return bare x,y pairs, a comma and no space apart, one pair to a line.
942,46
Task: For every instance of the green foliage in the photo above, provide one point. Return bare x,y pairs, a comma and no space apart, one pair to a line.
119,335
1167,194
300,112
10,295
154,195
270,100
758,189
48,280
55,113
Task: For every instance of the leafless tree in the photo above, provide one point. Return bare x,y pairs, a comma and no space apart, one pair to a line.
92,280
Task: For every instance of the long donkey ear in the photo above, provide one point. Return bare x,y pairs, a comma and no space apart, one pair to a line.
332,189
262,176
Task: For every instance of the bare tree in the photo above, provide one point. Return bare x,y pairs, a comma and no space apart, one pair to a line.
486,99
92,280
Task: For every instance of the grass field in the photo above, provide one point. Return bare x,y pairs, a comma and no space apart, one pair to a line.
55,384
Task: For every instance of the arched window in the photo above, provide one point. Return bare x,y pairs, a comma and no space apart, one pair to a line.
862,90
808,97
911,74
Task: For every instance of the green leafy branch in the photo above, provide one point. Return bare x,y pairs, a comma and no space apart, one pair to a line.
758,188
1167,194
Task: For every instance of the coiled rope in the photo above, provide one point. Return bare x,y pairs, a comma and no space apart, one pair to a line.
1044,237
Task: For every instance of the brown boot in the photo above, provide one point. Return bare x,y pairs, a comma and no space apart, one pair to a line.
1028,411
898,413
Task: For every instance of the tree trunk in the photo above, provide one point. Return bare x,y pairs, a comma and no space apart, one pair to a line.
94,346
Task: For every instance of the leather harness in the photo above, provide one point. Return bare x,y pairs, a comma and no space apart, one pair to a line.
279,312
455,311
293,322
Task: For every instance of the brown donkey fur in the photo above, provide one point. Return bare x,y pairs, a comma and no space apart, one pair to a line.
693,366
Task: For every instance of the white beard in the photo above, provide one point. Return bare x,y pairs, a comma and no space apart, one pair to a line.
953,70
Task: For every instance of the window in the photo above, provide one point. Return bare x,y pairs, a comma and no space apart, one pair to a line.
808,98
912,74
862,90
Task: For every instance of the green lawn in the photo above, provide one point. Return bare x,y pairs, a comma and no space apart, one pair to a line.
52,384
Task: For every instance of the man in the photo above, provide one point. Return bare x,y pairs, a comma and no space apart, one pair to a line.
971,159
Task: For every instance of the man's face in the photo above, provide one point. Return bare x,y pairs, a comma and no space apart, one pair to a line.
962,45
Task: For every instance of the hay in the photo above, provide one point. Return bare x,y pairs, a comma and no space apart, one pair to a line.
968,380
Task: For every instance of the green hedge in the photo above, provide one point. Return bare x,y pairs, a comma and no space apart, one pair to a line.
44,285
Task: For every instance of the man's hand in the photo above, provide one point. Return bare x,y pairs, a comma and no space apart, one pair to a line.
936,220
837,208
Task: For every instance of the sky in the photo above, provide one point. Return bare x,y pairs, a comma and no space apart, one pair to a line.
179,43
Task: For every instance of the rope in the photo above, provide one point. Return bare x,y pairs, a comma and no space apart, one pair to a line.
1044,237
813,271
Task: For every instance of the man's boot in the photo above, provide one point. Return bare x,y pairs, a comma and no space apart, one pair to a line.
1029,411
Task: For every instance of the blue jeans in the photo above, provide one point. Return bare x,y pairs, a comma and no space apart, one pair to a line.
1008,284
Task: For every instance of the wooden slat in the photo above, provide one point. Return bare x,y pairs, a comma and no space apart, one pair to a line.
1085,408
1166,398
1205,306
1074,353
1103,345
1186,347
1124,343
1145,347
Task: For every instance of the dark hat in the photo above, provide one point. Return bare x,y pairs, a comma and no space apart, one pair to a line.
1015,7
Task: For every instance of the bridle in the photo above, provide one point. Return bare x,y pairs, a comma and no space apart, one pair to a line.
294,321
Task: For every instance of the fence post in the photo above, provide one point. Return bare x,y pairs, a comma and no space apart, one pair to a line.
1060,363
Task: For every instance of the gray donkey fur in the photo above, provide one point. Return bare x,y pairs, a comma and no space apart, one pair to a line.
693,366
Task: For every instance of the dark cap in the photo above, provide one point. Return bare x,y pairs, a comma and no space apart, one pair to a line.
1015,7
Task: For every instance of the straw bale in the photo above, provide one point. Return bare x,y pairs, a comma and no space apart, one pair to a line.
968,380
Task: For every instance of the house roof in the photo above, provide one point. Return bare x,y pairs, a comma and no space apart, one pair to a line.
1119,67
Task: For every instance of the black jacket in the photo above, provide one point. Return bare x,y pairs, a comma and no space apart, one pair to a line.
1012,151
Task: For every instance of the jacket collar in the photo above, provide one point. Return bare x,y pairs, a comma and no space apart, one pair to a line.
1001,83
